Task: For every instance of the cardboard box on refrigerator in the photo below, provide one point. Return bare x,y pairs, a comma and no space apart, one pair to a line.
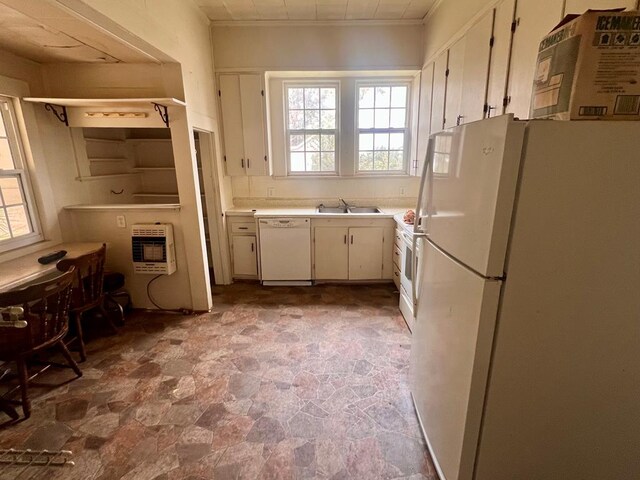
588,68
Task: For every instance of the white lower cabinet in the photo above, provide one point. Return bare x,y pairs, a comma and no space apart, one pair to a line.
352,252
365,253
331,250
245,255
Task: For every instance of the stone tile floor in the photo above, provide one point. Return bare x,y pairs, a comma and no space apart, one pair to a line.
274,383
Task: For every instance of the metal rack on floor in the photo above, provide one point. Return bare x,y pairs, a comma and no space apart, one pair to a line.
24,464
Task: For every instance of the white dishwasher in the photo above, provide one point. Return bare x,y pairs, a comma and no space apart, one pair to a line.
285,251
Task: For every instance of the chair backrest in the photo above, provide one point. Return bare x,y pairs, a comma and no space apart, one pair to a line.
46,312
87,286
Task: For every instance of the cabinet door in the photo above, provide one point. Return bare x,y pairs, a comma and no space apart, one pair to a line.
453,96
438,93
331,253
533,21
424,115
253,124
581,6
244,255
500,53
475,74
365,253
231,110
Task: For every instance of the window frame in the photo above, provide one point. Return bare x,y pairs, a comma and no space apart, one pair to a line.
383,82
312,83
16,139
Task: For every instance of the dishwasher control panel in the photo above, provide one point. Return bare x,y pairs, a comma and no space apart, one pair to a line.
284,223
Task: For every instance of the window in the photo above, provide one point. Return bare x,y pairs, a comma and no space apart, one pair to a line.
311,133
18,225
382,128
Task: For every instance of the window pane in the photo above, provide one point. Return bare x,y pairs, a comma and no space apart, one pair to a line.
313,162
311,119
366,141
396,141
4,226
399,96
312,143
328,162
296,119
382,96
395,160
19,220
6,160
311,98
297,162
11,191
327,119
328,143
382,118
365,118
365,99
398,117
296,98
328,98
366,161
381,161
296,143
381,141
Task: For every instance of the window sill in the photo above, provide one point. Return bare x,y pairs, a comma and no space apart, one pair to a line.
363,176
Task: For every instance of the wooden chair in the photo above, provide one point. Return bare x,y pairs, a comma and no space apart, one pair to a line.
35,318
87,293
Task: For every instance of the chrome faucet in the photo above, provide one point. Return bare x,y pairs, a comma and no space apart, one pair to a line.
346,205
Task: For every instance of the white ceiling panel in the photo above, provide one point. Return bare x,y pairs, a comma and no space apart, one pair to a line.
321,10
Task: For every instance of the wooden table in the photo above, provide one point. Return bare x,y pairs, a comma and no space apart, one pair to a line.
24,270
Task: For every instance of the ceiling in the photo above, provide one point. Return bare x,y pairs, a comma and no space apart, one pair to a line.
322,10
46,33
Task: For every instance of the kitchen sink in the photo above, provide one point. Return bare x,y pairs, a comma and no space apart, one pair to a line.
364,210
323,209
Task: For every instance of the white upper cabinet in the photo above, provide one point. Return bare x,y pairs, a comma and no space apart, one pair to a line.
439,92
533,21
242,109
475,73
424,115
581,6
453,97
500,54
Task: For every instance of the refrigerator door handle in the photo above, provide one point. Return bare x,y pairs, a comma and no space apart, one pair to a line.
423,180
414,271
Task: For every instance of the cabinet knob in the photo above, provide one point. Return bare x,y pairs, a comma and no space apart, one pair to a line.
345,239
248,163
351,239
242,162
459,119
252,247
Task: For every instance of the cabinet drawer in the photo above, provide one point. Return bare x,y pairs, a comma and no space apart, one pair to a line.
396,276
243,227
398,237
397,256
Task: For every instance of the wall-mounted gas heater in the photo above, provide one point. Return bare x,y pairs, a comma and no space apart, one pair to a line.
153,248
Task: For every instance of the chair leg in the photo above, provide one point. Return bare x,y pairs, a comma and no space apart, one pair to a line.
24,381
105,314
67,355
78,321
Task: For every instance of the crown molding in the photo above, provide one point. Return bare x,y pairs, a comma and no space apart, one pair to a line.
315,23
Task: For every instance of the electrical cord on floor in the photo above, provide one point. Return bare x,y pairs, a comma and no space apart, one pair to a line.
181,311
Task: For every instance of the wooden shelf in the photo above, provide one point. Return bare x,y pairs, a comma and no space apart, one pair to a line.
108,159
105,177
104,140
150,169
153,194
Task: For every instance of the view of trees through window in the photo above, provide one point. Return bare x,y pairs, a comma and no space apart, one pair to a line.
14,213
382,128
311,128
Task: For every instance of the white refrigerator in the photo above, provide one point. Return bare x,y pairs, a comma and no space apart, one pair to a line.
525,356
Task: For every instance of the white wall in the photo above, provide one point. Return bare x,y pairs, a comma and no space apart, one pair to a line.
325,47
320,48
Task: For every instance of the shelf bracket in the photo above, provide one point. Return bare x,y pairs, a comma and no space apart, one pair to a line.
62,116
163,111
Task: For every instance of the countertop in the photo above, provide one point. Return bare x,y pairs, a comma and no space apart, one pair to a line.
311,212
